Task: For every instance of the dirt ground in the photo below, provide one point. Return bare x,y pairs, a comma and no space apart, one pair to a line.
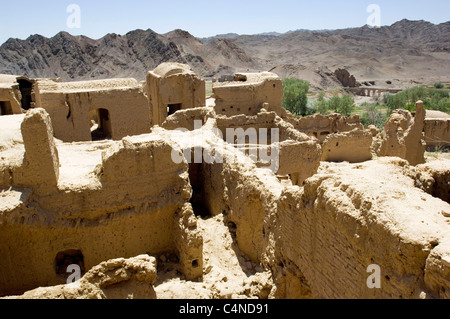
227,273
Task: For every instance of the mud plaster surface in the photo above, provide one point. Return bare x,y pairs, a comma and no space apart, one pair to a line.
227,273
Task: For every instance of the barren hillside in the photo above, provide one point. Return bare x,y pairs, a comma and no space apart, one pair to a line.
406,53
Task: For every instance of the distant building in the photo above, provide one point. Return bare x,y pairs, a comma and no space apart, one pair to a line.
248,94
15,94
92,110
105,109
172,87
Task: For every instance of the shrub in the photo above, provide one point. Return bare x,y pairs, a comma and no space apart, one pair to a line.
439,85
334,103
434,99
385,97
321,105
443,105
342,105
373,116
397,101
295,97
347,105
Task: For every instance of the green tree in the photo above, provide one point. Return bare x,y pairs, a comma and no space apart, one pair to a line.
416,93
397,101
335,103
373,116
321,105
434,99
295,97
385,97
347,105
443,105
343,105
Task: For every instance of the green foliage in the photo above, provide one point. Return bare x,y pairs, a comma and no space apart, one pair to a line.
434,99
373,116
334,103
385,97
311,107
347,105
321,105
396,101
344,105
438,85
443,105
295,97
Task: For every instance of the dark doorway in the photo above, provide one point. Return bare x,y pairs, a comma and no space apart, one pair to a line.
66,258
198,200
5,108
173,108
25,88
102,130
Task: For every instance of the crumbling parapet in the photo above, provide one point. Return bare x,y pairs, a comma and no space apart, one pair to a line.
373,130
92,110
415,145
172,87
299,160
437,129
11,147
133,158
262,120
403,136
41,163
334,229
434,178
114,279
10,95
189,243
125,208
437,132
352,147
320,126
186,119
248,94
390,141
437,271
297,154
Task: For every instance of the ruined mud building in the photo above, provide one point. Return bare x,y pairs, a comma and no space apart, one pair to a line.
87,176
437,130
113,108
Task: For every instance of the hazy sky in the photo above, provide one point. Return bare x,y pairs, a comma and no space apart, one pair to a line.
204,18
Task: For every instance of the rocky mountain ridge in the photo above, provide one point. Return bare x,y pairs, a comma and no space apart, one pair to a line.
405,51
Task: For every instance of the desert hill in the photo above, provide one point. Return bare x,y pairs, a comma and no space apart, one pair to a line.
407,50
405,53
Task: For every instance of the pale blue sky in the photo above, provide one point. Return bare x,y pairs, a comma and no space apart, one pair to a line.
204,18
